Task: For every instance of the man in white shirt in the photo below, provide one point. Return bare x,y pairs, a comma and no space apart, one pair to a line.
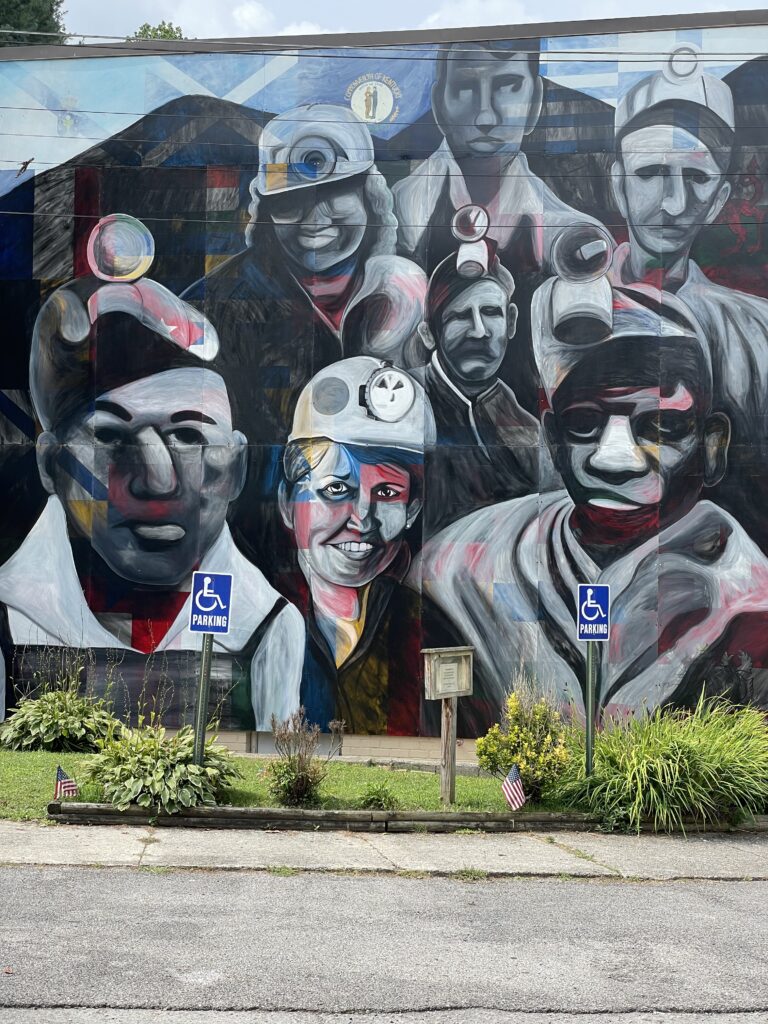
141,460
487,98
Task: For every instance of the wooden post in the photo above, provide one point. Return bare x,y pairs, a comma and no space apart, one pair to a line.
448,751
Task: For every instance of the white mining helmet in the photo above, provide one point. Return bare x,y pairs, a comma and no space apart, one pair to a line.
311,144
365,401
682,79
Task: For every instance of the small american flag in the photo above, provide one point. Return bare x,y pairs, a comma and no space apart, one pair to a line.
64,785
512,788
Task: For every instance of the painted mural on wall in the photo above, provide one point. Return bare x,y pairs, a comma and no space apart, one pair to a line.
410,340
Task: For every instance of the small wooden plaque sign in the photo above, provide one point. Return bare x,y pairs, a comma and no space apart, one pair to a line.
447,672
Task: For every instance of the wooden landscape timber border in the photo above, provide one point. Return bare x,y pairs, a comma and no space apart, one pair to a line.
299,819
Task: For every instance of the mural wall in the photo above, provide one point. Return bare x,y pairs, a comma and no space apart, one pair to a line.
412,340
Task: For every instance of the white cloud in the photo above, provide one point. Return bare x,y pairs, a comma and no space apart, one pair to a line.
252,18
460,13
306,28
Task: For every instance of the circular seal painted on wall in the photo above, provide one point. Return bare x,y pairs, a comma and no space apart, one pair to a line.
374,97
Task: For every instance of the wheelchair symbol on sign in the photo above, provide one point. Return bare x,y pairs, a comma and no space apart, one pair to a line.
206,592
591,610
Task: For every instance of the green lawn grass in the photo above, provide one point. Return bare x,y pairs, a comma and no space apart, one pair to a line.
27,781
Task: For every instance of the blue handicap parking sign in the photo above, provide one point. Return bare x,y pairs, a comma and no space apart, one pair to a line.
211,603
593,616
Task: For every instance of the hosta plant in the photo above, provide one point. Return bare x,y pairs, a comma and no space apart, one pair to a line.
58,720
147,767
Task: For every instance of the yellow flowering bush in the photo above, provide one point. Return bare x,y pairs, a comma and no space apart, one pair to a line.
532,736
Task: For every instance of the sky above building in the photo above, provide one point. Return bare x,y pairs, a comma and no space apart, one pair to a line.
212,18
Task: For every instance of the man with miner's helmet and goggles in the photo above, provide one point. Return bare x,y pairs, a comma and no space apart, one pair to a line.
675,132
488,448
141,458
627,380
352,491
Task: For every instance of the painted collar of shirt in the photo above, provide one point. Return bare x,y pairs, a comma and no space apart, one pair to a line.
621,273
465,403
520,197
41,588
373,602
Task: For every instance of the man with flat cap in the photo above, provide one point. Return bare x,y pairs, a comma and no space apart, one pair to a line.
633,430
675,133
141,459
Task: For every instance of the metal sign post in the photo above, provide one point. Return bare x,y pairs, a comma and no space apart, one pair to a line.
209,613
448,676
593,625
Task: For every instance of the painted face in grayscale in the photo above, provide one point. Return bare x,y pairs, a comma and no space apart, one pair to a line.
635,459
322,226
474,331
164,463
668,186
486,105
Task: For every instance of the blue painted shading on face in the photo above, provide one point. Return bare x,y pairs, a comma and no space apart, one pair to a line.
352,457
82,475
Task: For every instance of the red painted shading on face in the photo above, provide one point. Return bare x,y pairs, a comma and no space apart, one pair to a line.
612,526
124,505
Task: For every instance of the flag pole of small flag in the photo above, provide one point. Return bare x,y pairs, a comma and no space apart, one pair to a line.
64,785
512,788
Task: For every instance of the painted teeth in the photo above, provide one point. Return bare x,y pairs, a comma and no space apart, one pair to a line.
355,546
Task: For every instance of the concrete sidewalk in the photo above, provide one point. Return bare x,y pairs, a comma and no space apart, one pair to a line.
737,856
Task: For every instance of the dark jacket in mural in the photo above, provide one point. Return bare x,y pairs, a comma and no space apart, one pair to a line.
488,450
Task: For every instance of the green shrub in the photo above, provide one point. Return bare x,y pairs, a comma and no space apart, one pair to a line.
146,767
378,796
708,765
58,720
295,776
532,736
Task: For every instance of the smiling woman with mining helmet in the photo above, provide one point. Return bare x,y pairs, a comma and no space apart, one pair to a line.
352,488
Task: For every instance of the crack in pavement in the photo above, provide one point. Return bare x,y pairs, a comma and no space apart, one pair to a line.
575,852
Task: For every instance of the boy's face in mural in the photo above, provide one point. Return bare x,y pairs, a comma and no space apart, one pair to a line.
485,105
668,185
322,226
634,458
348,516
474,330
165,464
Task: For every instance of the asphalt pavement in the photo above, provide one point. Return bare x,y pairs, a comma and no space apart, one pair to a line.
199,927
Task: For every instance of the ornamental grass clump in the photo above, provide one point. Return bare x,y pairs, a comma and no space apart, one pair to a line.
59,720
668,767
531,735
145,766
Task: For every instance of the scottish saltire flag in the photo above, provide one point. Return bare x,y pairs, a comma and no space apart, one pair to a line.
512,788
64,785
